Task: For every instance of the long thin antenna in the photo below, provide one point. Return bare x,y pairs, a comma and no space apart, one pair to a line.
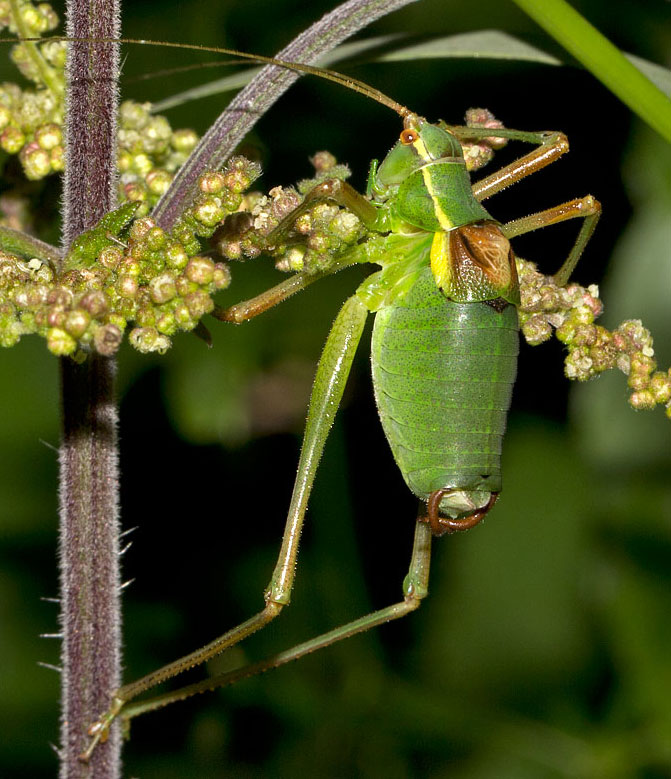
330,75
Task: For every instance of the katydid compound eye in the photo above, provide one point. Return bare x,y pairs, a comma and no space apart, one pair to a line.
408,137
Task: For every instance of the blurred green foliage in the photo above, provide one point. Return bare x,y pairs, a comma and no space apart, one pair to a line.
544,649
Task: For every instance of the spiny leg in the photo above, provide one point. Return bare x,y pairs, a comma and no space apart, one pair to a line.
331,377
551,146
248,309
332,189
415,588
339,192
587,208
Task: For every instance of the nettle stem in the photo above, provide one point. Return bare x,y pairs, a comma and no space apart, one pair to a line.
89,479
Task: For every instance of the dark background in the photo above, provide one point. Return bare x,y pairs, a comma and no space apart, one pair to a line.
543,650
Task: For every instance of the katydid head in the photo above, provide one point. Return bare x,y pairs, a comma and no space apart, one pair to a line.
420,143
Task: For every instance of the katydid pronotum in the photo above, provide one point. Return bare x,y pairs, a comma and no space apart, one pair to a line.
444,352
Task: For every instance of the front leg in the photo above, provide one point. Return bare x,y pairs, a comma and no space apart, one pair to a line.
340,193
334,190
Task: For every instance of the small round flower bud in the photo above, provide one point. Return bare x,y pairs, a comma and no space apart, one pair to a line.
319,242
141,227
12,140
477,155
184,140
162,288
211,183
166,323
200,270
536,330
230,201
185,286
142,164
660,386
147,339
95,303
643,364
345,226
303,224
133,115
55,52
110,257
175,256
59,342
36,162
107,339
642,400
32,19
76,322
156,134
49,136
323,161
155,239
56,316
145,317
222,276
183,317
209,212
483,117
199,303
127,286
135,192
158,181
124,160
130,266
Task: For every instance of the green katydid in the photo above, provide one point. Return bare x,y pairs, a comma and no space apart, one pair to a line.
444,350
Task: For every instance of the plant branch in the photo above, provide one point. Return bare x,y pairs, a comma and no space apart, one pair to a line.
89,540
265,89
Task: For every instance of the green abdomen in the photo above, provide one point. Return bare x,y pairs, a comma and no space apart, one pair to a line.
443,374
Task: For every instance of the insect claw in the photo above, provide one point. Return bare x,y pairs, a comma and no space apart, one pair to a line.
441,525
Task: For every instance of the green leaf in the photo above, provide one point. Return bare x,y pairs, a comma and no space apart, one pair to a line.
482,44
87,246
604,60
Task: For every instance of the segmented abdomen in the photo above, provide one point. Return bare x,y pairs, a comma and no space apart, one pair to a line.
443,374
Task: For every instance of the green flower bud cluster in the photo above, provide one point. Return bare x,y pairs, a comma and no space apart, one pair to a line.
326,167
149,154
570,312
221,196
31,119
309,241
244,236
480,152
123,272
326,231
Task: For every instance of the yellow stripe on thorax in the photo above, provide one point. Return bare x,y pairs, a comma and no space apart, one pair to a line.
443,221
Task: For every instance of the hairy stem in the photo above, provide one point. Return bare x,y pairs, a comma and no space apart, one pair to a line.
262,91
89,536
92,98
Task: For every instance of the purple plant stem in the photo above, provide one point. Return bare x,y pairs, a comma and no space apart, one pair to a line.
262,91
89,478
